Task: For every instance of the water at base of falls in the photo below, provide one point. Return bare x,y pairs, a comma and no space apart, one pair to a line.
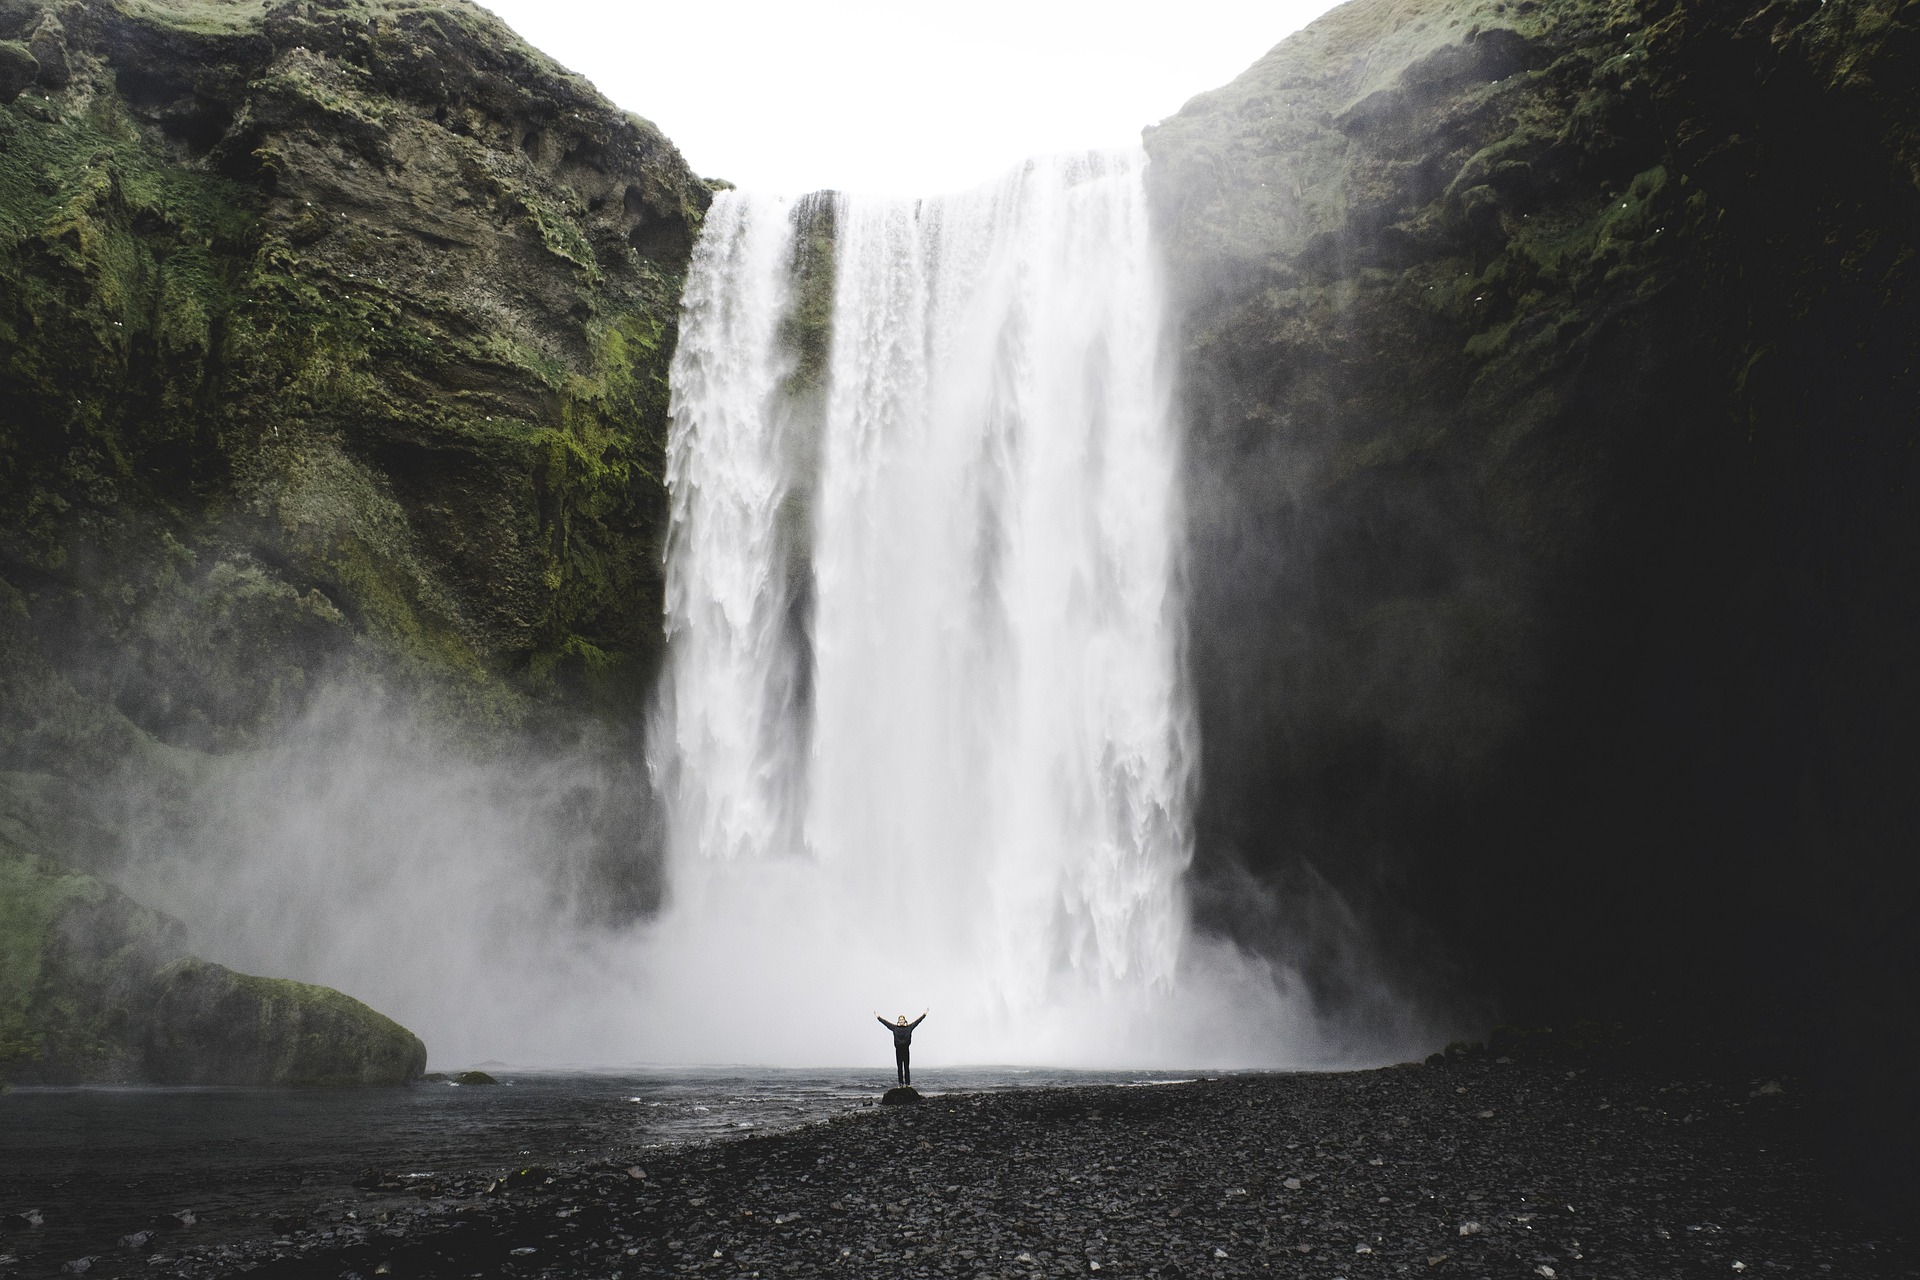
923,735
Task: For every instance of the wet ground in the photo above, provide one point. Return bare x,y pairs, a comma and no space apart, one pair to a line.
101,1164
1540,1164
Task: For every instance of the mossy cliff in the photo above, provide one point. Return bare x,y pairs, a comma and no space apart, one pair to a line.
331,334
333,351
1553,380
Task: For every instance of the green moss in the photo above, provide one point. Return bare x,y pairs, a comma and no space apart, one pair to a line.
220,1027
202,17
223,1027
333,340
806,330
32,899
74,957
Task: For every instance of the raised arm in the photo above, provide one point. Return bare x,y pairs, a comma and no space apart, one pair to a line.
922,1018
883,1022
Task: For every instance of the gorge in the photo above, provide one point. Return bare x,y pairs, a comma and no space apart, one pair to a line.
1526,442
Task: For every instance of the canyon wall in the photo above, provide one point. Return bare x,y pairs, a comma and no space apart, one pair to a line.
1552,384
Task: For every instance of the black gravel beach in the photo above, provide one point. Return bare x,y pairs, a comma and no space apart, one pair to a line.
1539,1163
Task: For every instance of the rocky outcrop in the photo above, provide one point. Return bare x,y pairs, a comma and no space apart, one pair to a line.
95,988
333,336
211,1025
1552,372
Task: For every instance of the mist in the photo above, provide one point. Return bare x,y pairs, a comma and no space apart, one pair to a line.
466,894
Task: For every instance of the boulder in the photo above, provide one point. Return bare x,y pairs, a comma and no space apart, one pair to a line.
48,44
214,1026
97,988
901,1096
18,69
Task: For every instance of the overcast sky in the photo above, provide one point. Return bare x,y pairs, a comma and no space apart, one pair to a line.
903,98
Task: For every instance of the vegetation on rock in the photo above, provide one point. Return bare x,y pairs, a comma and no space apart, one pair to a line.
331,333
333,345
211,1025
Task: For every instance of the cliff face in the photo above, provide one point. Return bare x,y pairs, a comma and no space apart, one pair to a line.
332,334
333,352
1552,380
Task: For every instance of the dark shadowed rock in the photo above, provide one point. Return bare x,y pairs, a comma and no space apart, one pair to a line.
1550,553
901,1096
18,69
48,44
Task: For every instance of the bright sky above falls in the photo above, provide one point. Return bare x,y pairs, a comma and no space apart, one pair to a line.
895,97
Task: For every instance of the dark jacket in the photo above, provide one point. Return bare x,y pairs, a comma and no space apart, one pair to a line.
902,1036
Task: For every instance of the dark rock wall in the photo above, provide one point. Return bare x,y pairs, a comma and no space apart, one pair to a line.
1553,381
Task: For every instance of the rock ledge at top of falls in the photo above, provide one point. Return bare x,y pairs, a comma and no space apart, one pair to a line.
95,988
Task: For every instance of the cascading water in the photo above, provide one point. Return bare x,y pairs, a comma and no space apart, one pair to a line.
923,737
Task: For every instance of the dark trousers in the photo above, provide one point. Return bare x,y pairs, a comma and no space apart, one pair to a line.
900,1064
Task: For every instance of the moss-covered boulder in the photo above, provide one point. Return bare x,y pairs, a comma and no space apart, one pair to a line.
95,988
211,1025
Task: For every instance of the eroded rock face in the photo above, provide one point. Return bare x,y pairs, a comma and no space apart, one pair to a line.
332,334
1552,380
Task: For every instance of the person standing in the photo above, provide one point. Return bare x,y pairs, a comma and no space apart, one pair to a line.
903,1040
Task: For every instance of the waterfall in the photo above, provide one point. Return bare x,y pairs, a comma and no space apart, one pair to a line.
924,737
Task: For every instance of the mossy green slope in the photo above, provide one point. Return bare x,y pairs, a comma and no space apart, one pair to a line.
330,333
